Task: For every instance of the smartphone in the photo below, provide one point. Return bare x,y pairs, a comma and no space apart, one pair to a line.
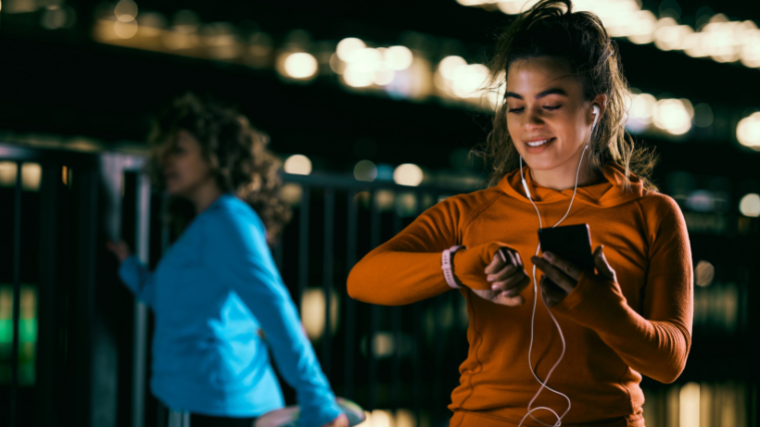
571,242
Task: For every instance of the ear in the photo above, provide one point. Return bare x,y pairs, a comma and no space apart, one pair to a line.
601,101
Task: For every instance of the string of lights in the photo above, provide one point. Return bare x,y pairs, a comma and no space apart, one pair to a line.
715,36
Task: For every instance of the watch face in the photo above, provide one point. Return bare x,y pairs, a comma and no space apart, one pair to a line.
288,416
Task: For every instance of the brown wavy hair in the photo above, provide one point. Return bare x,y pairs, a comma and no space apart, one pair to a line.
577,39
236,151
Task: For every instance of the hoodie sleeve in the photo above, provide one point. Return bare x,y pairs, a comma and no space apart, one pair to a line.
655,343
236,248
137,278
407,268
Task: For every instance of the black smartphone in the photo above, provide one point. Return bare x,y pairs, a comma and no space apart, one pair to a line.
571,242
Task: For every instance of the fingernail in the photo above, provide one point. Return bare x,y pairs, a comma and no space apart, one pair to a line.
489,278
494,287
548,255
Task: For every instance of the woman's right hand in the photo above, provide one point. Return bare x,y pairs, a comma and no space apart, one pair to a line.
507,277
120,249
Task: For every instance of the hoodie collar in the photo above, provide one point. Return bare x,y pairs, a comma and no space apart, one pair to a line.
607,193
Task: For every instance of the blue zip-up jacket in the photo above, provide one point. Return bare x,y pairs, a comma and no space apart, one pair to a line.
211,292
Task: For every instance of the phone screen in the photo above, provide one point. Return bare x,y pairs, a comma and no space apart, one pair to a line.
571,242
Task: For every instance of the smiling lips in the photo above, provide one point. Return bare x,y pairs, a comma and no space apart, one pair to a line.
538,145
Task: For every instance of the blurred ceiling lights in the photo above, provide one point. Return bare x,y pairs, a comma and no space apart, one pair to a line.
748,131
720,39
403,73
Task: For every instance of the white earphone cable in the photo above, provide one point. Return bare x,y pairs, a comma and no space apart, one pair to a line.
536,297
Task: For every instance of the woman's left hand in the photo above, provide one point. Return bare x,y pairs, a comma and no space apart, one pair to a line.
563,276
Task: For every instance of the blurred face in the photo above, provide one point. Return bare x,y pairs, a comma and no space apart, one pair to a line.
547,116
184,167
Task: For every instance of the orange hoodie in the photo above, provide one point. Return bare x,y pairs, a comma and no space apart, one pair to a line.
615,332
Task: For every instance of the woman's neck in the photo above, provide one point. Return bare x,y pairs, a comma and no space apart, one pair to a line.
204,196
563,177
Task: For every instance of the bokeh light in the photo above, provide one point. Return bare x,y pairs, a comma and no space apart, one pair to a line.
749,205
398,58
365,170
673,115
408,174
348,46
748,131
125,10
704,273
298,164
125,30
300,65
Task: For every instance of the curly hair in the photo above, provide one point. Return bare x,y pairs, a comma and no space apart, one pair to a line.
578,39
234,149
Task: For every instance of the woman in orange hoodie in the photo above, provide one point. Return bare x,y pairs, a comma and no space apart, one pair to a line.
563,114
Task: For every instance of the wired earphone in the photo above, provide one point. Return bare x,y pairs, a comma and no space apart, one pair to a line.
536,296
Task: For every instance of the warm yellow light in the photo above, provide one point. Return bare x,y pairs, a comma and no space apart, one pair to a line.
8,174
748,131
313,312
673,116
383,77
125,10
31,174
381,418
347,46
640,29
513,7
405,418
298,164
449,65
301,65
750,205
689,405
408,174
398,58
125,30
356,78
469,81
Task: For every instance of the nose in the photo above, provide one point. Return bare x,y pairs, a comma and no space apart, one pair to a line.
533,120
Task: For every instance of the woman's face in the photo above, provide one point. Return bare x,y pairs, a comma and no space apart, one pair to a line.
547,116
184,167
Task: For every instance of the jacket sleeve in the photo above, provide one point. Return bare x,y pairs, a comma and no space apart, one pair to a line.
137,278
407,268
655,343
236,248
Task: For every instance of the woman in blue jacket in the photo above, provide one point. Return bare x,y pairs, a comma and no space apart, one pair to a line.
217,288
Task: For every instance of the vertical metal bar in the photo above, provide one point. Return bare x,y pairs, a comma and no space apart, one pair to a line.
303,246
374,310
48,354
328,276
140,338
396,313
353,213
16,294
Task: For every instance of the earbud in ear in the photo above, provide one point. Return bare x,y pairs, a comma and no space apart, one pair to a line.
596,114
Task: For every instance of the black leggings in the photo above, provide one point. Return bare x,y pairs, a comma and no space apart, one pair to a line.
197,420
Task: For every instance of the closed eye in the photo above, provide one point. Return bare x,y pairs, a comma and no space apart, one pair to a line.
552,107
516,110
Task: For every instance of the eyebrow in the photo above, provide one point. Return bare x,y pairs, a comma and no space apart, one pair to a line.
552,91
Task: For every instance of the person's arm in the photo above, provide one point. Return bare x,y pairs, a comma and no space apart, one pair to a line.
407,268
239,252
137,278
656,342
